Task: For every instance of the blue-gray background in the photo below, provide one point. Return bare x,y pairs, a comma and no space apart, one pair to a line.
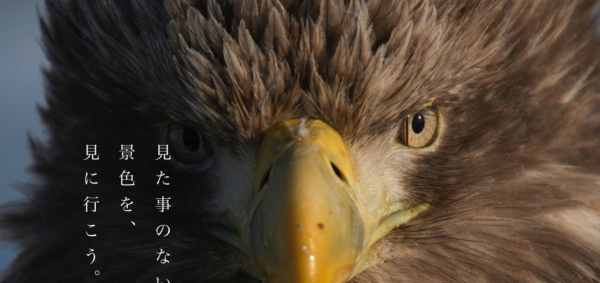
21,89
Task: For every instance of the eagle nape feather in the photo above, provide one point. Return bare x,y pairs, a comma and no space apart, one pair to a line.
316,141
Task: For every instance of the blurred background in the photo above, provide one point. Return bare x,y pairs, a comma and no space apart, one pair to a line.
21,89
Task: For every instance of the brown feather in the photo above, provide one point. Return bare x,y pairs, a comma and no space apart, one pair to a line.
514,182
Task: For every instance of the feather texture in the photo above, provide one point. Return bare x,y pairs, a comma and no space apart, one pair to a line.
514,182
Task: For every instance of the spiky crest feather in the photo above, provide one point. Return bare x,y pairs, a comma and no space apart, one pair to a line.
513,183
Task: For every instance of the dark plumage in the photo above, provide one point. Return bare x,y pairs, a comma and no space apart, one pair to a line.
512,181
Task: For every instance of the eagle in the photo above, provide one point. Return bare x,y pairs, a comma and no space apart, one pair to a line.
322,141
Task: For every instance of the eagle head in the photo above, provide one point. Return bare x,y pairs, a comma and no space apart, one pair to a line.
316,141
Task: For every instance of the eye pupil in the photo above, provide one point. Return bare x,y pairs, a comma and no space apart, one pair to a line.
418,123
191,139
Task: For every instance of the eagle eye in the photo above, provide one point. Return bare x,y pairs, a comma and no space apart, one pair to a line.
187,143
418,130
191,139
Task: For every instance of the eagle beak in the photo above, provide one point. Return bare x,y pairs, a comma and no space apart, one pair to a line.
305,225
310,221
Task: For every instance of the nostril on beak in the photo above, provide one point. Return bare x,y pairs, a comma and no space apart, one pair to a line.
338,173
265,178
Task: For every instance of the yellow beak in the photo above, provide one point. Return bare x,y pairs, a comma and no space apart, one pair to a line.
309,219
305,227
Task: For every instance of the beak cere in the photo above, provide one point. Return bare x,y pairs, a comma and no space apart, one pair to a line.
305,225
